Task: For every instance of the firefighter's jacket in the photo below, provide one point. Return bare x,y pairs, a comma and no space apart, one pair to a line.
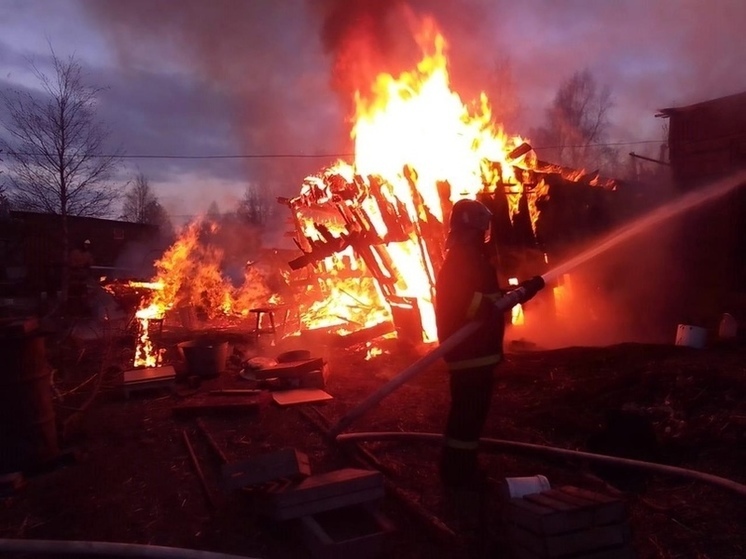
80,265
466,288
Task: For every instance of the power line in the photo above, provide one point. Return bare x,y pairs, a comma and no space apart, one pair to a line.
313,156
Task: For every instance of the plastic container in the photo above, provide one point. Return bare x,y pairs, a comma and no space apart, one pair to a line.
691,336
728,328
517,487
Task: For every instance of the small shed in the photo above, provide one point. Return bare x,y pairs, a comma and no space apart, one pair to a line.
706,139
31,247
707,142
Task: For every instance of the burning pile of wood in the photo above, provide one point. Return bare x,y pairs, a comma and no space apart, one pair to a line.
372,232
348,225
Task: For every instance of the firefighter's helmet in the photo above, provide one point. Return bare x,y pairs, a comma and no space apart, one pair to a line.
470,222
470,214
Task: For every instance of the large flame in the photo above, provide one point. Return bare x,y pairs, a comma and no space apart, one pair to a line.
416,133
190,274
425,149
416,120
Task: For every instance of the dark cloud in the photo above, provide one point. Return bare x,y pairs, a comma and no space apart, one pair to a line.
275,77
259,72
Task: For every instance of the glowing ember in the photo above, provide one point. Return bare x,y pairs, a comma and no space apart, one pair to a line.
373,351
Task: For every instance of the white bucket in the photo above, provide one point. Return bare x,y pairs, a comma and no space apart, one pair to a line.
691,336
728,327
517,487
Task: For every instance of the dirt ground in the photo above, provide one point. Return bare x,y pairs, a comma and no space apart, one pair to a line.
125,474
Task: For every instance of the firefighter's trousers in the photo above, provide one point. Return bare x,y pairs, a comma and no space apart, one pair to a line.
471,394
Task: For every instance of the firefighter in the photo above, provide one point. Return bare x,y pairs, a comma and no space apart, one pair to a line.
466,289
80,263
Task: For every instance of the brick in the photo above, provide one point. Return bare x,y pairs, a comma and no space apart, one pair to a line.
284,464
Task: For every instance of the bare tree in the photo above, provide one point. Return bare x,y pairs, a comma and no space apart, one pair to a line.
141,205
577,122
56,149
253,209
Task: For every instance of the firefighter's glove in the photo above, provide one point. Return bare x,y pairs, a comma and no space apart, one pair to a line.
532,287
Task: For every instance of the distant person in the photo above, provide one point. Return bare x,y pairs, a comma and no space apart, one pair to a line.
80,264
466,290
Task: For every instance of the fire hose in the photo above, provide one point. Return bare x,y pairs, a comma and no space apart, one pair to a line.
506,302
108,549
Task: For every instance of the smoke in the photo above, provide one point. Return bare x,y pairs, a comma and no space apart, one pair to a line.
365,38
683,265
261,58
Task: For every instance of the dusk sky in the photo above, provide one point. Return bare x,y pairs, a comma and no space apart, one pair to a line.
254,77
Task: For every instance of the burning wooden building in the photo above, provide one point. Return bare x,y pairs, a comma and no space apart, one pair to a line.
373,230
377,246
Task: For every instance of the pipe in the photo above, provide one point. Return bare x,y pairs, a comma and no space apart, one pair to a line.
109,549
506,302
498,444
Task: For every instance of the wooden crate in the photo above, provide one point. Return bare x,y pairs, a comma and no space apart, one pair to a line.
569,522
358,531
284,464
322,492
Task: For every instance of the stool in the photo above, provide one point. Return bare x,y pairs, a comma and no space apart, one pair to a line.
270,312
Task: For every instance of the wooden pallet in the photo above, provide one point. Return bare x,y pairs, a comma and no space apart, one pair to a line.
569,522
